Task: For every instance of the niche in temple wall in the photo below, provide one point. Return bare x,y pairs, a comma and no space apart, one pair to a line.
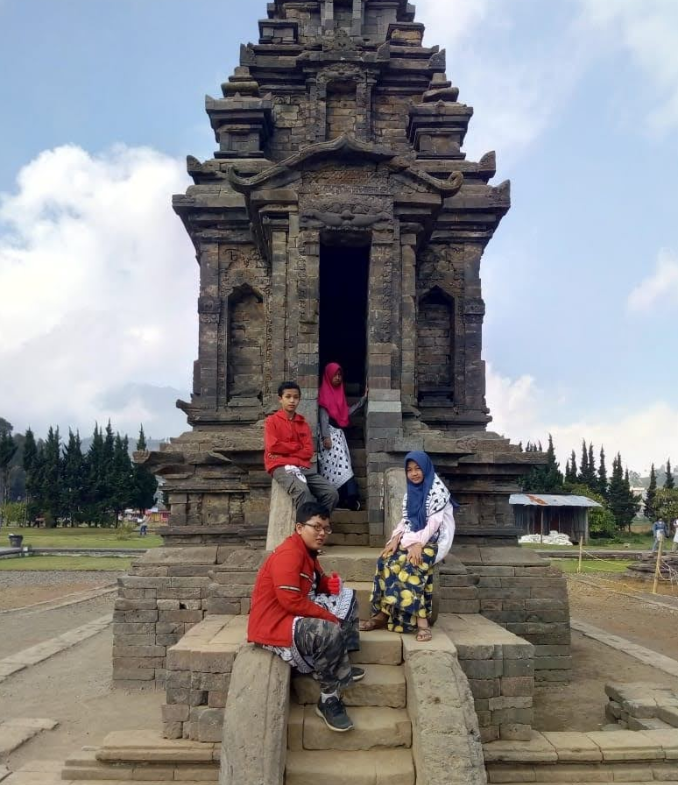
246,342
435,347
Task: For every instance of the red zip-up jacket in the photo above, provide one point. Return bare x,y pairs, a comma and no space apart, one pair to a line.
281,593
288,440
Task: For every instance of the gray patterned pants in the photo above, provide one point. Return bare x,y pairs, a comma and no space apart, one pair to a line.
326,646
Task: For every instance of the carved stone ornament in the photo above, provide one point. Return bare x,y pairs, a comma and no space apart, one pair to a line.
338,41
474,308
468,444
348,216
209,305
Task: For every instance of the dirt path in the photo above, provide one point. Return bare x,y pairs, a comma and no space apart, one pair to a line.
23,629
580,705
74,688
18,588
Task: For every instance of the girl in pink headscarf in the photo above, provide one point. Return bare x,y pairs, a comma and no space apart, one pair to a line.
334,459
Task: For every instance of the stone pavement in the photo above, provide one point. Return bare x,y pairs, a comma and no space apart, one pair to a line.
31,656
14,733
647,656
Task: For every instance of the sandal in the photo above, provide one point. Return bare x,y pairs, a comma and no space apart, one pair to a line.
375,623
424,634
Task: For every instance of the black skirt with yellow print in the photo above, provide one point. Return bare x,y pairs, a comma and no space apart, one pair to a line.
402,591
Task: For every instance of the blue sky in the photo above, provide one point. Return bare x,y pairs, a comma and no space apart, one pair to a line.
103,99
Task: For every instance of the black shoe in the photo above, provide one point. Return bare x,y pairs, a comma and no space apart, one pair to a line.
333,712
357,674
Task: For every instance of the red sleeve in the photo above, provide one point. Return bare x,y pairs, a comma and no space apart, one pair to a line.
306,451
287,582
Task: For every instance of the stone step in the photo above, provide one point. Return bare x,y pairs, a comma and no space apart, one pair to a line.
383,685
379,647
374,727
352,563
87,766
151,747
358,539
364,593
339,527
349,516
374,767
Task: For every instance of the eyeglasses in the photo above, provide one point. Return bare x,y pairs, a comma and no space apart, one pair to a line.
319,529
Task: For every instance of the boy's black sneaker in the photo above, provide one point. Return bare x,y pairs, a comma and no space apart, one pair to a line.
334,713
357,674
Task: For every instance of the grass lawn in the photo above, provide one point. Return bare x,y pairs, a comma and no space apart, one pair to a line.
66,563
570,566
80,538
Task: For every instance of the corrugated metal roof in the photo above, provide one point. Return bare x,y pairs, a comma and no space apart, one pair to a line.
551,500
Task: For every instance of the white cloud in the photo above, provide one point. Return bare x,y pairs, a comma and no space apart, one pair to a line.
647,30
515,95
98,285
524,412
661,285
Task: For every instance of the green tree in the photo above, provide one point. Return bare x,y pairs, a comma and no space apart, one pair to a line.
32,467
74,479
669,481
650,511
587,472
617,498
602,475
547,478
121,477
51,478
8,449
667,504
145,484
571,471
632,501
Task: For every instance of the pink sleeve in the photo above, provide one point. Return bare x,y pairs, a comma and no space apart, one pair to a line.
399,529
422,537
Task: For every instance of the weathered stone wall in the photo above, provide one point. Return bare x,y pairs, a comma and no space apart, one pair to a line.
167,592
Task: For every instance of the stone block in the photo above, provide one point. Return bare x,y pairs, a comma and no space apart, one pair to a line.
258,698
383,685
374,728
175,713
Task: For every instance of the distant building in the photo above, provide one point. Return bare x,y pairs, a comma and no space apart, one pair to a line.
541,513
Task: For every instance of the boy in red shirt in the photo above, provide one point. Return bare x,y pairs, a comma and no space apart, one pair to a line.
288,449
306,618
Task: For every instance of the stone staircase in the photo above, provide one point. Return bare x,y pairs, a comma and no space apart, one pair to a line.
379,747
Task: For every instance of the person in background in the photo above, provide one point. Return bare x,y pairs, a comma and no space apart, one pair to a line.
659,532
334,415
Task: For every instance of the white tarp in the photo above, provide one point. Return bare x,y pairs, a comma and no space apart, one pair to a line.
552,538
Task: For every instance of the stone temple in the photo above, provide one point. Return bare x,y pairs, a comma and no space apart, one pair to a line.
340,220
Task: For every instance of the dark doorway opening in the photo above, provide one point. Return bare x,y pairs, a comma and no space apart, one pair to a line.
344,276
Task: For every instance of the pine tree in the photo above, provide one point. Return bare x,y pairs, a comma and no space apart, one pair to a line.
592,468
145,484
30,464
669,481
51,478
632,502
602,475
571,476
8,449
617,495
121,477
74,479
582,477
95,493
650,509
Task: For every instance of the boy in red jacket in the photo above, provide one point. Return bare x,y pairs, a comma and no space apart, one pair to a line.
306,618
288,449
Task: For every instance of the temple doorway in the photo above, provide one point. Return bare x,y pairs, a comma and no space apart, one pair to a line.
344,277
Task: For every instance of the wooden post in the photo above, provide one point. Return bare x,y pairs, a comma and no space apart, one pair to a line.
581,553
658,566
